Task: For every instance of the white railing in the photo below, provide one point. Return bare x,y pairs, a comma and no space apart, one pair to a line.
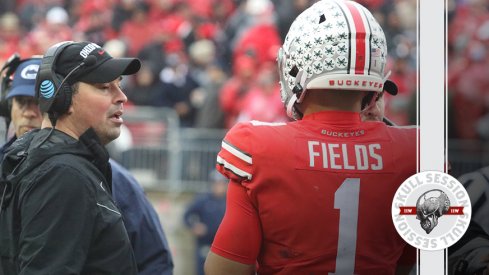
165,157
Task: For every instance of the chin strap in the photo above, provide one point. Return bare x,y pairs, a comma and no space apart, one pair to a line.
290,106
298,93
299,88
386,76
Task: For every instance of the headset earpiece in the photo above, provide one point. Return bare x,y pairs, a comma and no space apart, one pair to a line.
4,106
4,110
62,100
6,73
54,95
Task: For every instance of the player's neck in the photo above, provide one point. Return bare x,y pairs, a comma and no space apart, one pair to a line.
318,108
318,101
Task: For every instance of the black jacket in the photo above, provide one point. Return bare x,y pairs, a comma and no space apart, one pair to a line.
56,212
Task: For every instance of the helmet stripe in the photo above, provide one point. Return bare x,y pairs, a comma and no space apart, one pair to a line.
368,52
350,46
361,51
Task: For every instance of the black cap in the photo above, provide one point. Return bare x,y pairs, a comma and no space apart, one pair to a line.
99,66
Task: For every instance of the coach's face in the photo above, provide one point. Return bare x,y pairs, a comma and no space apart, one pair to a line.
99,106
25,114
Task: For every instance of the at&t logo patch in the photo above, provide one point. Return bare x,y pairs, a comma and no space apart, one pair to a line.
431,210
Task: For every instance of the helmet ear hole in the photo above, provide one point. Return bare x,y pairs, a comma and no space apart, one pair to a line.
294,71
322,18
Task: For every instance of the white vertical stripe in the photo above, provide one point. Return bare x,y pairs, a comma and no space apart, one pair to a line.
233,168
236,152
431,49
353,41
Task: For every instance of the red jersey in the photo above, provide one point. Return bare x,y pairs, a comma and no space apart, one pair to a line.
314,196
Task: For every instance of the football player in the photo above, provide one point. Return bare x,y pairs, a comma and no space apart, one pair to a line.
314,196
470,255
477,185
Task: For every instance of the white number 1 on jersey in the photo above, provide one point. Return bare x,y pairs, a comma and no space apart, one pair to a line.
346,200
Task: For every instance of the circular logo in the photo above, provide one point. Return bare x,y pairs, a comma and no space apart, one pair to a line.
431,210
47,89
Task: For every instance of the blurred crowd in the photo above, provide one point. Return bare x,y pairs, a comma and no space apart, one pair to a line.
468,69
213,61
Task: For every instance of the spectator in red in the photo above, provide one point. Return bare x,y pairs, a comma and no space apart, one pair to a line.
10,34
94,21
468,64
236,87
470,100
160,9
211,9
262,39
404,75
263,102
139,30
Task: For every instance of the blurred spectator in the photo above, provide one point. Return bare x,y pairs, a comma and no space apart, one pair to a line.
160,9
287,13
231,29
116,47
210,77
94,21
468,63
203,216
122,12
234,90
399,108
211,9
10,34
210,114
8,5
470,100
51,30
263,102
178,86
32,12
261,39
139,30
202,53
147,89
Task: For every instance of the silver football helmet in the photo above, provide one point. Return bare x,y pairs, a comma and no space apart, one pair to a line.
334,44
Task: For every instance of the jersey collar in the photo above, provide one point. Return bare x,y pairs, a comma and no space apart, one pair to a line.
335,117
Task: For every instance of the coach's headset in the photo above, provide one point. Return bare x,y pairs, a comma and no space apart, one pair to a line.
54,96
6,73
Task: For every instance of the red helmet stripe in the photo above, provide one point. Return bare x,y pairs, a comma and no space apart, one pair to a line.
361,53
